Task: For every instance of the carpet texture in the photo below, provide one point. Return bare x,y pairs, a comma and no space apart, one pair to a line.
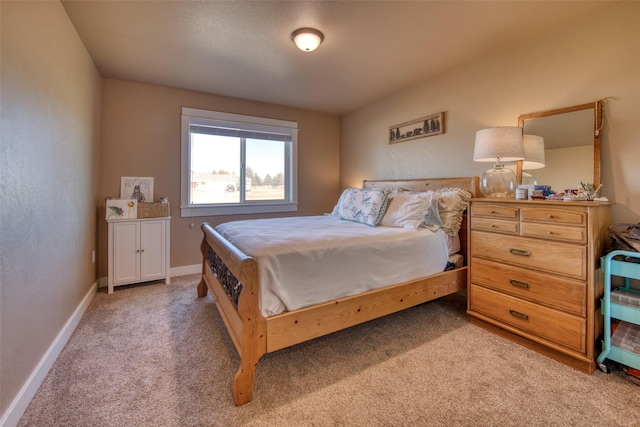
156,355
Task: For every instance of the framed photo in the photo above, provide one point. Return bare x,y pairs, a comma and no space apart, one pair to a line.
424,126
121,208
138,188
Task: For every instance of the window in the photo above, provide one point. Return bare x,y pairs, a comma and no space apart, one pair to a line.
235,164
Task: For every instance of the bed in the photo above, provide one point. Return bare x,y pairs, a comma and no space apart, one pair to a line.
234,280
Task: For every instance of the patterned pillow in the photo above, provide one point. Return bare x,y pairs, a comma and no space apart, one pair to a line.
337,209
363,205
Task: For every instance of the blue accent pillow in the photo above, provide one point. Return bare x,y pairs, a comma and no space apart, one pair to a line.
363,205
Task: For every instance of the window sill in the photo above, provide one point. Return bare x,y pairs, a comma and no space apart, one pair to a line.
194,211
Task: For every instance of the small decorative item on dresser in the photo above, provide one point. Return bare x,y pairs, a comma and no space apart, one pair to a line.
522,194
590,190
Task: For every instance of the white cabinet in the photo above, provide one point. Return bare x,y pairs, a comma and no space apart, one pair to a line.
138,251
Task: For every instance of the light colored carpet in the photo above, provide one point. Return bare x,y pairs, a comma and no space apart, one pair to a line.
156,355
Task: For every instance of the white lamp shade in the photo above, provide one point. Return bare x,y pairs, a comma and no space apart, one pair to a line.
503,143
533,152
307,39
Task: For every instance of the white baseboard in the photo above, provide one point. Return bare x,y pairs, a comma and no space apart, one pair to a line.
11,417
173,272
185,270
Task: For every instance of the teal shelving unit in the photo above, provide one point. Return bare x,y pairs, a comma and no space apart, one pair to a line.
622,304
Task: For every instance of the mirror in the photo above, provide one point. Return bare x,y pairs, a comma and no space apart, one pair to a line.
571,146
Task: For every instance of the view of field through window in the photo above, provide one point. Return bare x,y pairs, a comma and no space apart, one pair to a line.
216,168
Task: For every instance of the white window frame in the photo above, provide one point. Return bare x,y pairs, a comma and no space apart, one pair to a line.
193,115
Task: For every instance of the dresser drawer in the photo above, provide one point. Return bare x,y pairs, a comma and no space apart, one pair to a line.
554,232
495,225
554,216
552,291
553,257
557,326
495,211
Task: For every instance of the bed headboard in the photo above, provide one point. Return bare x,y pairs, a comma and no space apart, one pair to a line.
471,184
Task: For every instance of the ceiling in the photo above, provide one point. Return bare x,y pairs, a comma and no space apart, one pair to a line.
243,49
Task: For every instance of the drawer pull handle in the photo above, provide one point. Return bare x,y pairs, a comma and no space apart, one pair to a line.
550,232
520,252
492,226
519,315
550,216
519,283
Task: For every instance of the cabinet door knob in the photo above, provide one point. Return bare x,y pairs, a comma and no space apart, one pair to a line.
519,315
519,283
520,252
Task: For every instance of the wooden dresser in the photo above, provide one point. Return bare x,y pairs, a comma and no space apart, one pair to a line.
534,274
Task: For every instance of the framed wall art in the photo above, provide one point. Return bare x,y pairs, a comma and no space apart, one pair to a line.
139,188
424,126
121,208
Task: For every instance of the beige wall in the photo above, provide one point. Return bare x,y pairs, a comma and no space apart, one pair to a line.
56,171
49,164
141,137
593,59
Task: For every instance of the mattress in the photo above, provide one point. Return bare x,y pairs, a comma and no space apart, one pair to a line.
304,261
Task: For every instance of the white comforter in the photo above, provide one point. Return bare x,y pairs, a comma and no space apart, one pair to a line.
304,261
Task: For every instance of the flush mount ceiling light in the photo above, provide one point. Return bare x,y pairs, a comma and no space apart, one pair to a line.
307,39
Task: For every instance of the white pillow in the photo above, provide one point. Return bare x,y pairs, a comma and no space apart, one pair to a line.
432,219
453,202
406,210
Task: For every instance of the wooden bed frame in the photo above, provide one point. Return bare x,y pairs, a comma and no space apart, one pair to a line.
254,335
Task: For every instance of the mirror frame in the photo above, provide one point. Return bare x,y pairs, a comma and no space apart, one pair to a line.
597,132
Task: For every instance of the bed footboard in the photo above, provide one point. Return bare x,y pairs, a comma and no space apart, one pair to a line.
232,278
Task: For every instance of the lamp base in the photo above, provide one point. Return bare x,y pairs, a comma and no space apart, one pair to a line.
499,182
528,179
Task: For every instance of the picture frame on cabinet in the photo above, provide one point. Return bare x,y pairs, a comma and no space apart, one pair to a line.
139,188
116,209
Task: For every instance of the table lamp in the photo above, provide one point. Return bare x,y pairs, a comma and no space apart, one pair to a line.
497,145
533,157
